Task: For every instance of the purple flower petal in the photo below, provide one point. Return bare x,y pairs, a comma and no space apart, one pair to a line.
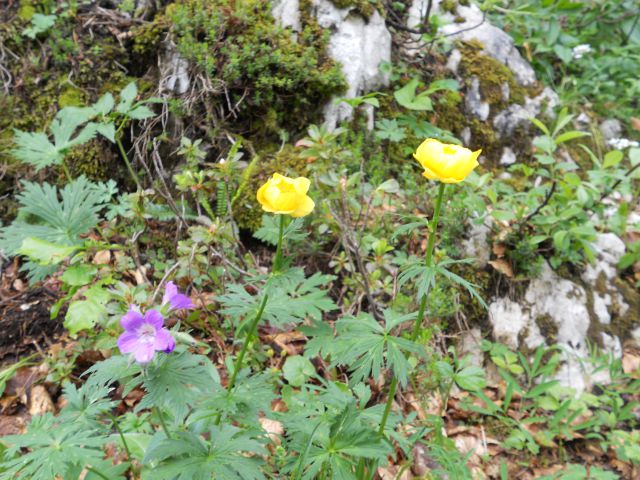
170,290
175,299
128,342
154,318
144,352
180,301
164,341
132,320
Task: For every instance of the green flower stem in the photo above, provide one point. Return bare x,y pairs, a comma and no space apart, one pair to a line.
417,326
65,168
93,470
277,261
252,330
117,427
164,425
254,324
132,172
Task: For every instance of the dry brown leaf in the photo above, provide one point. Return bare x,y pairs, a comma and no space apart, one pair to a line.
273,428
392,472
502,266
499,249
40,401
102,257
635,123
631,361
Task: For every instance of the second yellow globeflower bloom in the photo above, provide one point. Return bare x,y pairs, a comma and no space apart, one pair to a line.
446,162
286,196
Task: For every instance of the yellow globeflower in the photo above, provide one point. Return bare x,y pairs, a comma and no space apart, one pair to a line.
286,196
446,162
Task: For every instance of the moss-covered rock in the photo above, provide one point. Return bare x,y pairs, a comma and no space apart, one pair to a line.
262,77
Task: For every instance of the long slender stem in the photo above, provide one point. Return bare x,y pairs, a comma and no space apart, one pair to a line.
277,261
117,427
93,470
132,172
164,425
67,173
252,329
417,326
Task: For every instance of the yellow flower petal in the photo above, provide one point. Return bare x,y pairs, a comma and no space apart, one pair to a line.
305,208
285,196
445,162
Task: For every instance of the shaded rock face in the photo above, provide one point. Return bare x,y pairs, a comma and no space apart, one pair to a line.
287,13
571,314
360,45
174,71
507,111
497,44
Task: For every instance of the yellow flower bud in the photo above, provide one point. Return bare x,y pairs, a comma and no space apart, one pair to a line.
446,162
286,196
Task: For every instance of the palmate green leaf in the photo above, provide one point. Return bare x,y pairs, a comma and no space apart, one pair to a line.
297,370
252,394
366,347
425,277
38,150
292,300
270,228
229,453
56,449
407,98
177,380
338,448
56,216
43,252
85,404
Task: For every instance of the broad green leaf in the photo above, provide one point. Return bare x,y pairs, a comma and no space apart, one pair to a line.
612,158
107,130
565,137
407,98
297,370
140,113
45,253
471,378
83,315
79,275
127,97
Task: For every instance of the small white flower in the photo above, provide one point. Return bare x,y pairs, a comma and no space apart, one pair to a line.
580,50
622,143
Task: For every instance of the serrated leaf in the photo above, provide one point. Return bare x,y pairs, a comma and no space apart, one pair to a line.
140,113
297,370
471,378
107,130
127,97
43,252
407,98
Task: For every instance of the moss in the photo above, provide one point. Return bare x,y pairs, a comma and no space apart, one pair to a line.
247,211
65,67
548,328
364,7
265,79
449,6
623,325
93,160
492,75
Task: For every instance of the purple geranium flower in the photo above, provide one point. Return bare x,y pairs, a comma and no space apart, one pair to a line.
144,335
175,299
